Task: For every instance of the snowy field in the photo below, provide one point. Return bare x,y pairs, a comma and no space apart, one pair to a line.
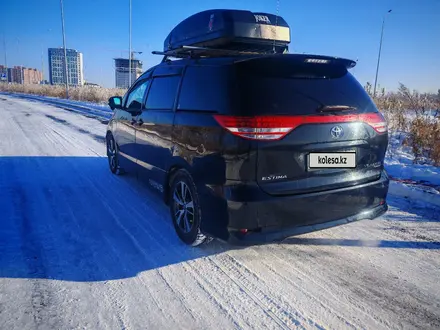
83,249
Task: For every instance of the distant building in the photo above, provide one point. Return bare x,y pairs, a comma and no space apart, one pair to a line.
57,67
15,75
122,71
22,75
32,76
11,75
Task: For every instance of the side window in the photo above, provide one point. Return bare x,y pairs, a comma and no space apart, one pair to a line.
205,88
162,93
136,96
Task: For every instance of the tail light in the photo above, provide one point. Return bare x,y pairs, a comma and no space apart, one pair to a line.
259,127
375,120
266,128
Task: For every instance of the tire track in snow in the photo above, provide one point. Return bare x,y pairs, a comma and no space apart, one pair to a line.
267,301
25,136
159,273
252,284
32,250
278,272
40,254
86,254
403,297
196,273
213,287
212,294
134,241
58,130
43,296
57,146
203,282
239,302
344,278
165,241
116,293
401,231
73,141
204,278
190,269
288,259
114,297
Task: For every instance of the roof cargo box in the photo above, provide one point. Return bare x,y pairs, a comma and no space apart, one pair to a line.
238,30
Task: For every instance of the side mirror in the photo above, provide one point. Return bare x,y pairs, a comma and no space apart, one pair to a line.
115,102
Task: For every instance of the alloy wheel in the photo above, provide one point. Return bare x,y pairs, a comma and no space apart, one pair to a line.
111,151
183,207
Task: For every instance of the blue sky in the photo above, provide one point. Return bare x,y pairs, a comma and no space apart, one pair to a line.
346,28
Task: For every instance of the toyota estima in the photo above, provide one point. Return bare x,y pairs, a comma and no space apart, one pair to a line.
246,142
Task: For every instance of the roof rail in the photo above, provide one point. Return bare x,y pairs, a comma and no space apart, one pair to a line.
200,52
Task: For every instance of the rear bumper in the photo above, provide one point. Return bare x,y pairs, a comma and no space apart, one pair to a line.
268,235
269,218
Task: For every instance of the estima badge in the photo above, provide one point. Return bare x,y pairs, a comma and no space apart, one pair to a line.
337,132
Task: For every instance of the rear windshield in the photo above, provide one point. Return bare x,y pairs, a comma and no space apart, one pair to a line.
275,86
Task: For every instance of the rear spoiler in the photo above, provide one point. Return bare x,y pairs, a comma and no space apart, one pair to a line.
308,59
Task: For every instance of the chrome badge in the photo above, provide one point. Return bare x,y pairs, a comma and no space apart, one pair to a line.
337,132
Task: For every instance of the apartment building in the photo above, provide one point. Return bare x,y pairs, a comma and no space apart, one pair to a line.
75,72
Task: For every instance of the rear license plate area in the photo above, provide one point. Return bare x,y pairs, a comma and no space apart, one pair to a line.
331,160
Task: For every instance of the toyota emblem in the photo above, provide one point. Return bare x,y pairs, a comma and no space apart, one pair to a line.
337,132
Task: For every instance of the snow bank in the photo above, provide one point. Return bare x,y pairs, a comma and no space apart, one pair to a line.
423,179
414,192
399,163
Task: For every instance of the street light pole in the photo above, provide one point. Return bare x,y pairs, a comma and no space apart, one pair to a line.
43,42
20,66
42,63
6,62
380,49
66,72
129,47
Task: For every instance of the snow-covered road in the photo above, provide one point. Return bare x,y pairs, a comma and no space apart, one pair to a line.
83,249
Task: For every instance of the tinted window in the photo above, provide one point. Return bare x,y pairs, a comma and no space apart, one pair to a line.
136,95
204,88
162,93
276,86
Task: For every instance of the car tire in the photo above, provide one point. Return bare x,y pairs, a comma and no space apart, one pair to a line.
185,209
113,156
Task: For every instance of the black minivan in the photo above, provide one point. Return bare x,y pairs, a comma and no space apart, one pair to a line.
248,145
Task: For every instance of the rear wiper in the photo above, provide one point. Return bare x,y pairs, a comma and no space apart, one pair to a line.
307,76
336,108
